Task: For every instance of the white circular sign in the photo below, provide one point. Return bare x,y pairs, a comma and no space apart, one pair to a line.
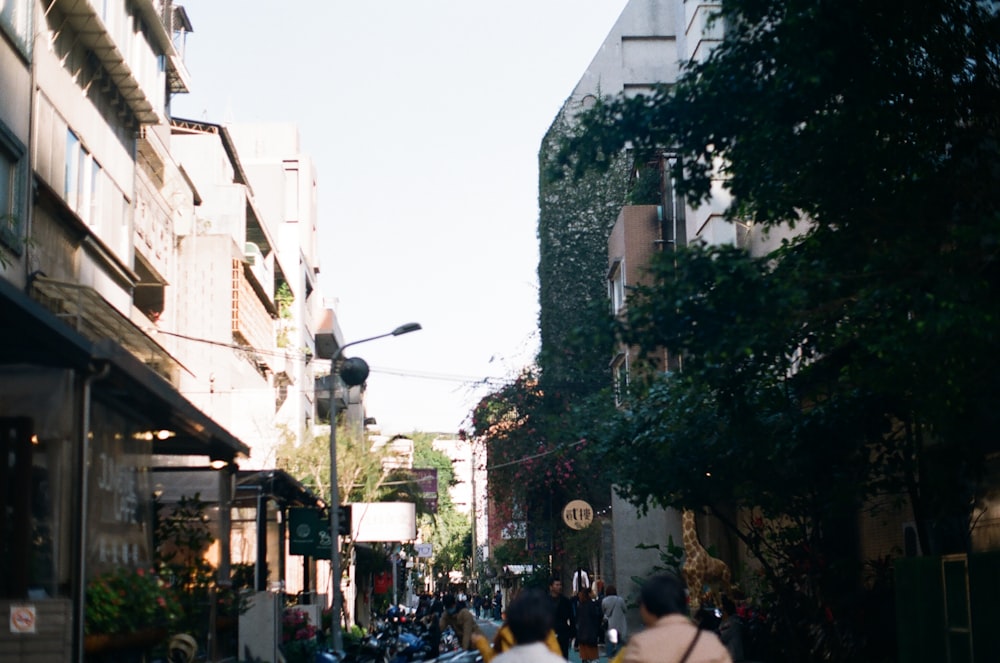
578,514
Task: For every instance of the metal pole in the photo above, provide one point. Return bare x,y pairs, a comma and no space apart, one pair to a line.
475,541
337,599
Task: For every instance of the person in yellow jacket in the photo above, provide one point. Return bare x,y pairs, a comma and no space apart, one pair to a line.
504,640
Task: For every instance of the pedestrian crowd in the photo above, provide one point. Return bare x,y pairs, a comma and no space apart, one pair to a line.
543,626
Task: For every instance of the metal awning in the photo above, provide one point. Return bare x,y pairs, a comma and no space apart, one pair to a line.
32,334
172,483
86,311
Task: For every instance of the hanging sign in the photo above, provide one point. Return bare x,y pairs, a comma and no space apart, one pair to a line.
578,514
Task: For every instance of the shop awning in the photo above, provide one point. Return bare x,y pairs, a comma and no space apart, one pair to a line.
31,334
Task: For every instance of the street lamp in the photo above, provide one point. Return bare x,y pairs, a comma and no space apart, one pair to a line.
336,603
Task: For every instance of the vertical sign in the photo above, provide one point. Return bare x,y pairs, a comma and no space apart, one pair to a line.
427,479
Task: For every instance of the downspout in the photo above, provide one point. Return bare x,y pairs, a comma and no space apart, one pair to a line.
80,531
224,573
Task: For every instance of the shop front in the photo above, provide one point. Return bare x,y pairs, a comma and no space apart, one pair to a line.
83,423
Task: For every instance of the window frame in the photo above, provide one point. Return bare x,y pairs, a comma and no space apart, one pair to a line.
13,209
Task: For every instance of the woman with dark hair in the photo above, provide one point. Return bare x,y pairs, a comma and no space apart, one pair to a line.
588,626
529,617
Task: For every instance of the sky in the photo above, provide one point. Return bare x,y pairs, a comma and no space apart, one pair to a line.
424,119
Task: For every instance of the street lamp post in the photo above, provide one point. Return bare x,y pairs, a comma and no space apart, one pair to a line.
337,598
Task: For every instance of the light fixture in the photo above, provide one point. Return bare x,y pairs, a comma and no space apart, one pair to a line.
337,599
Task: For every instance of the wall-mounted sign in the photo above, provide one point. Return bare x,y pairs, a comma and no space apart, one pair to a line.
22,619
303,529
578,514
383,521
427,479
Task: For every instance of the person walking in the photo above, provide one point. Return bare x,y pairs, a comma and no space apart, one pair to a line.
588,626
529,617
613,609
461,621
504,639
562,615
670,635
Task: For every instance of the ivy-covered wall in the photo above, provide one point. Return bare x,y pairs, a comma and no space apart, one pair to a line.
575,219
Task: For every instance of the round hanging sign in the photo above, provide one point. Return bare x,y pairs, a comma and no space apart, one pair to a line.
578,514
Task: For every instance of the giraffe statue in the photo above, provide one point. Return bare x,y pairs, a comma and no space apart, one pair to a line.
699,568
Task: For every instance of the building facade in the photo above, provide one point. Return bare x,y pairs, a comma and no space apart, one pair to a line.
141,303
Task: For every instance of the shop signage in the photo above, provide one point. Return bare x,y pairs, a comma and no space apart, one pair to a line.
578,515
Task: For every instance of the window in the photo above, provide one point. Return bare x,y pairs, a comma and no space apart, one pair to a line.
13,180
71,188
15,20
83,182
616,286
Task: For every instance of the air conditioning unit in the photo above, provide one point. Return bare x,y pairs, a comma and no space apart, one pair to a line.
253,255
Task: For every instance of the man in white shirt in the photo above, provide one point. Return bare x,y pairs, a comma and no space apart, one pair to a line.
529,617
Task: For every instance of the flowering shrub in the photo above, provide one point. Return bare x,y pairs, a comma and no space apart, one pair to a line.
127,600
298,637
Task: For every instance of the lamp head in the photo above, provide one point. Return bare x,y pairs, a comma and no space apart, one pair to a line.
354,371
406,329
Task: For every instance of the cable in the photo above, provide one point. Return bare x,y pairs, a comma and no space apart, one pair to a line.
540,455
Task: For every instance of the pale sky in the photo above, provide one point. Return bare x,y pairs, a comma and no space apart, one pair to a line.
424,120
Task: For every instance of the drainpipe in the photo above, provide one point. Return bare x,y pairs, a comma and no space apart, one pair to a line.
80,531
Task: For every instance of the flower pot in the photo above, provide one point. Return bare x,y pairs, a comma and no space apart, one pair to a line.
101,643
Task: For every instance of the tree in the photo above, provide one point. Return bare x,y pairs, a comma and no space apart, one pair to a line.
448,530
858,359
540,456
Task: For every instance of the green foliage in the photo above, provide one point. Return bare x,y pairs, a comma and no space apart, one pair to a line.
182,537
128,600
448,530
575,218
539,457
858,359
284,298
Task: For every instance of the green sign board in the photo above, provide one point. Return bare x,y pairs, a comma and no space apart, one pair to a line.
308,533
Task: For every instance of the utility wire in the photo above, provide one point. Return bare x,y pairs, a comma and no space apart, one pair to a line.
538,455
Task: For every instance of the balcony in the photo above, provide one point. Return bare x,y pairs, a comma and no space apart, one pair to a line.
252,317
144,97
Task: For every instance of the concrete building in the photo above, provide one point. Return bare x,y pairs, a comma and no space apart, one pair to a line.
89,401
141,306
229,266
284,184
593,243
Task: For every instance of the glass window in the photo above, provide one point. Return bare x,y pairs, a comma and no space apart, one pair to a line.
13,179
15,20
616,288
72,179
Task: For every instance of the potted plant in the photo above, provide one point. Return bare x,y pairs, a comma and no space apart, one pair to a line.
128,608
299,643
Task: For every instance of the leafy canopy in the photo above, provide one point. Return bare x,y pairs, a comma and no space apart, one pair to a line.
858,359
